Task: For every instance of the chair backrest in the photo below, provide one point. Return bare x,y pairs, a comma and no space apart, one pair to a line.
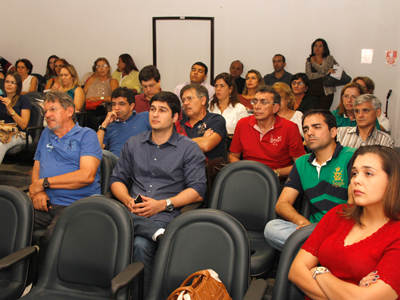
283,288
16,225
41,81
197,240
106,168
92,242
248,191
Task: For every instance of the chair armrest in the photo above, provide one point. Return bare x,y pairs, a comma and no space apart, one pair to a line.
125,277
28,129
10,260
190,207
257,290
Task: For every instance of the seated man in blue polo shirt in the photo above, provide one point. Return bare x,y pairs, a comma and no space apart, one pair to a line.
200,121
66,165
121,123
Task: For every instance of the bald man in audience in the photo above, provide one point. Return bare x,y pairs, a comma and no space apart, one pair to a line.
367,109
236,70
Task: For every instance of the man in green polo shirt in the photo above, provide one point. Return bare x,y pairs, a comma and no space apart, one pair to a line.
322,176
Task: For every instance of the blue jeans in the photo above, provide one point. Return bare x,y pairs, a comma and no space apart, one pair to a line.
277,231
144,248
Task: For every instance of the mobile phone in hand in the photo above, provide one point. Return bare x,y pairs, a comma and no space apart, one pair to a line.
138,199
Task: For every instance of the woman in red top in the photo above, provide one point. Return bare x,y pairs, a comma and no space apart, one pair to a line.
357,245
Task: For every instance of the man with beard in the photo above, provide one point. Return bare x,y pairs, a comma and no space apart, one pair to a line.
323,176
279,75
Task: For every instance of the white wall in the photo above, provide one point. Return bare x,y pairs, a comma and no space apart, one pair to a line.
251,31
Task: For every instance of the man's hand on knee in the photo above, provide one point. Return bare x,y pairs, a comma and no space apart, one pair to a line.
40,201
149,207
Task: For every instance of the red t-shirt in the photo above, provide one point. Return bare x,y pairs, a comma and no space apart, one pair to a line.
378,252
276,148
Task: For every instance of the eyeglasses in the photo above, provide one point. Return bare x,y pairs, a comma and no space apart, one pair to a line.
263,102
300,83
10,82
122,104
347,97
51,110
99,66
188,99
364,110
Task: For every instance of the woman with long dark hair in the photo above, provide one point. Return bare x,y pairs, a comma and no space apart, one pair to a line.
127,73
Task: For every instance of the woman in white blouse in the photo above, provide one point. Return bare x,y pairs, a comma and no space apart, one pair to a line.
287,104
226,103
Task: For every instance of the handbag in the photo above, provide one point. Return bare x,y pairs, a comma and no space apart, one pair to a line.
330,81
205,286
92,105
7,130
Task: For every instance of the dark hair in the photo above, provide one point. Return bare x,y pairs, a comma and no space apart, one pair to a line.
64,99
199,63
330,119
370,84
149,72
129,63
49,72
269,89
18,81
200,90
358,86
326,48
106,61
302,76
64,61
233,97
171,99
391,166
283,58
124,92
27,64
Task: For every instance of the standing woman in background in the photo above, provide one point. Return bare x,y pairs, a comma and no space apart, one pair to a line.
14,108
225,101
29,82
318,65
70,85
50,71
127,73
253,81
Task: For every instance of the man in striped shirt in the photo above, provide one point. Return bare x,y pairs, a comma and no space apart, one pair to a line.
367,109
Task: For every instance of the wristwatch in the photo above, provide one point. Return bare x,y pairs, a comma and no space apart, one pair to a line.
101,98
13,113
102,128
320,270
277,173
46,183
170,205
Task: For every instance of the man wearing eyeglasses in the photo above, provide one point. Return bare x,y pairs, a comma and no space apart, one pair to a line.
265,137
367,109
121,123
66,167
150,79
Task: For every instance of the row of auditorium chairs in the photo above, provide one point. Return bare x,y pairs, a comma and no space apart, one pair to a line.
246,191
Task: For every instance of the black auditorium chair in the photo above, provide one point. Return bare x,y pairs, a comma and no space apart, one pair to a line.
106,168
248,191
91,249
205,239
35,127
16,223
283,288
41,82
